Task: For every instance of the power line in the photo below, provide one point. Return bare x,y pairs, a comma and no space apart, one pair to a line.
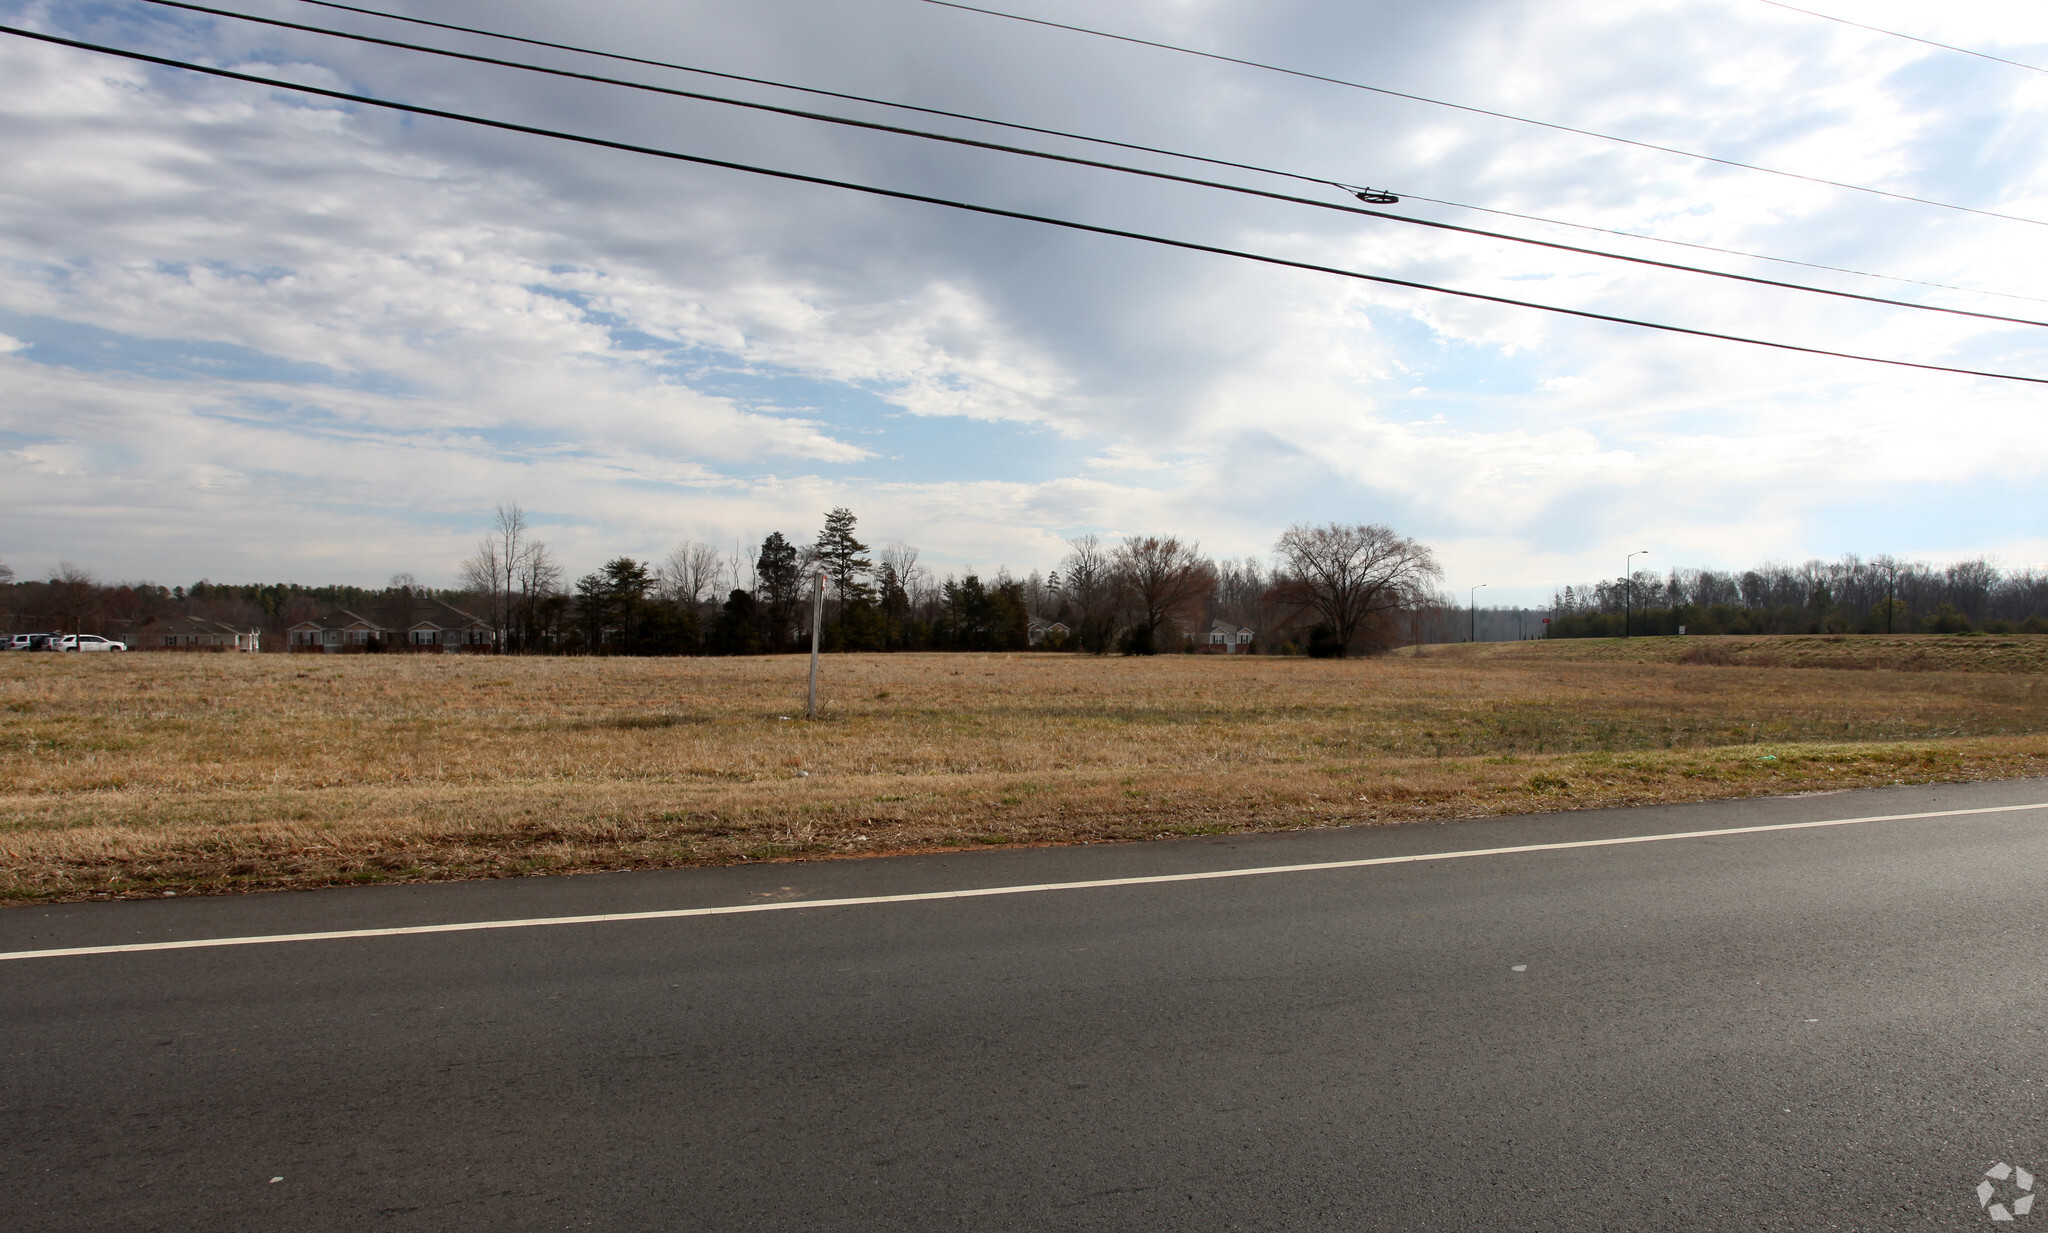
1911,38
1126,145
1095,163
992,211
1732,252
1481,111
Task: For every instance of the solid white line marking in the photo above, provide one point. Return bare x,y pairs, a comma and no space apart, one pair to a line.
1153,879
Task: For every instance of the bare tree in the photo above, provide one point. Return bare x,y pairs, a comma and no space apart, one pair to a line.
509,526
740,564
1087,577
6,573
493,572
1240,592
486,576
539,580
73,597
690,572
1038,597
900,559
1088,582
926,592
1352,575
1163,578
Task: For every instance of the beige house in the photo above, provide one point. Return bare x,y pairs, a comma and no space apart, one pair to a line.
194,634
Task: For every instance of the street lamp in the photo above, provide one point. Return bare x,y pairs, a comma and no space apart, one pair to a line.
1628,582
1472,632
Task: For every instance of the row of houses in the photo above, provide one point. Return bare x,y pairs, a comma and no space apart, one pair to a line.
398,623
401,623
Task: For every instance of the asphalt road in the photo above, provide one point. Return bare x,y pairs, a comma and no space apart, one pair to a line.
1836,1028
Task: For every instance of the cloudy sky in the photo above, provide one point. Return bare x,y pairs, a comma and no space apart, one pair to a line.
250,335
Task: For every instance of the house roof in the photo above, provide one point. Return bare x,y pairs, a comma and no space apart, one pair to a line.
340,618
394,614
189,625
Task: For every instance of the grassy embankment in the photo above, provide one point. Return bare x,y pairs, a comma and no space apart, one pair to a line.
139,773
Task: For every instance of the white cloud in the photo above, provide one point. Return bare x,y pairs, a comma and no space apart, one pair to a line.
229,307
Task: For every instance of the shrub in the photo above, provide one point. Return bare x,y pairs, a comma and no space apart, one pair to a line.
1323,643
1946,620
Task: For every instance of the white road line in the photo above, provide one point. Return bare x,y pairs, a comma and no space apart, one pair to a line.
1151,880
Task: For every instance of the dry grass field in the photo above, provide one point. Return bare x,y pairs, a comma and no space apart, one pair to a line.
136,774
1901,653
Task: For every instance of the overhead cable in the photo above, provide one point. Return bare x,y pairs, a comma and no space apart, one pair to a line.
1731,252
1911,38
1126,145
1482,111
992,211
1098,164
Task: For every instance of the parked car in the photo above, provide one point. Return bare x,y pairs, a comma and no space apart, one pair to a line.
31,642
89,642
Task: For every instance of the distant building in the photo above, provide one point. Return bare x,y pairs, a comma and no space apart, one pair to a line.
1228,639
1038,631
397,623
194,634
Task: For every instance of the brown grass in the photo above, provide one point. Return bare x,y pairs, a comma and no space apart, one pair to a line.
140,773
1876,652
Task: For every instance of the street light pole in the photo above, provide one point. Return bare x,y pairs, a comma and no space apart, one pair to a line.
1628,582
1472,630
817,623
1891,591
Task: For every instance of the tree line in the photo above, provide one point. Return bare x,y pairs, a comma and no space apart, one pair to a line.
1334,589
1852,595
1327,590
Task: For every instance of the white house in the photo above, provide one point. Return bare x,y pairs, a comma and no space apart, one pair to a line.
1228,639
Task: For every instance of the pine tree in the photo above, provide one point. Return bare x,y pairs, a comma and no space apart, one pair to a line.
780,583
840,553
